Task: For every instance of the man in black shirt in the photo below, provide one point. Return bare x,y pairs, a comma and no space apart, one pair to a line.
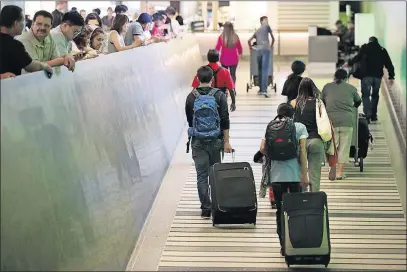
373,58
207,152
14,57
58,13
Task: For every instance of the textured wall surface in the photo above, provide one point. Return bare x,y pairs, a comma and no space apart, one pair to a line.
83,155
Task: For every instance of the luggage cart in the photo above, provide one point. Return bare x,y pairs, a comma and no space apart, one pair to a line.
254,72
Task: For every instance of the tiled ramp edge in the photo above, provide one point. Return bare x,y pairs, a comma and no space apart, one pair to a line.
368,228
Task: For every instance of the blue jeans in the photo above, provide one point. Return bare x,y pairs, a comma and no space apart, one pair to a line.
205,154
370,87
263,59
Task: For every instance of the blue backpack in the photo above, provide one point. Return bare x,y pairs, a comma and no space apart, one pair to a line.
206,122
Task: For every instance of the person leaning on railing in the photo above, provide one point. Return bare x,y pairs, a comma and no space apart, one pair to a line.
14,57
81,49
116,35
40,45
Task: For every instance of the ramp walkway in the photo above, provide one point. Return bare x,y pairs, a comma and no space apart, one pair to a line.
368,227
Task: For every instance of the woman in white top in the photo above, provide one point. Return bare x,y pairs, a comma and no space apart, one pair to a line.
116,40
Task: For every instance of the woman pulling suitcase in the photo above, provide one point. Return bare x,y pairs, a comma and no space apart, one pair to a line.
284,141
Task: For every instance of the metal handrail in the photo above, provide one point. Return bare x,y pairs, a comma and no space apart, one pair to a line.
397,114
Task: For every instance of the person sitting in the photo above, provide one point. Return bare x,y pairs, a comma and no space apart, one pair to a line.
40,45
291,85
80,45
341,99
222,78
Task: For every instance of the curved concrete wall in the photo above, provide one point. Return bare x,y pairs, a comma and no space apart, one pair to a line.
83,155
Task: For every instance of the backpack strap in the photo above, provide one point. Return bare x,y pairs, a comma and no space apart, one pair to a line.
215,74
195,93
213,91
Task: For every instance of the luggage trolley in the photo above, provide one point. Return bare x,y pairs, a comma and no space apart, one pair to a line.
254,72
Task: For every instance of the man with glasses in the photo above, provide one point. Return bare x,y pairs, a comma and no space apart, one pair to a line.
71,26
13,56
40,45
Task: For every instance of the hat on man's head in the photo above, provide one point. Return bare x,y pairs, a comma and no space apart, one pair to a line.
144,18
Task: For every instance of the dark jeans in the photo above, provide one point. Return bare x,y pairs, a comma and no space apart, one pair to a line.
232,70
263,59
370,88
279,188
205,154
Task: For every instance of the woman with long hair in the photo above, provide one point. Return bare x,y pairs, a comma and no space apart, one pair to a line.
230,49
80,45
341,99
116,35
305,113
97,39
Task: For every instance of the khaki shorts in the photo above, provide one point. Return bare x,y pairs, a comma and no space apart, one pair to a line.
343,141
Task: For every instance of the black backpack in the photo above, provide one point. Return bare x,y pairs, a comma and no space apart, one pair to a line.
281,142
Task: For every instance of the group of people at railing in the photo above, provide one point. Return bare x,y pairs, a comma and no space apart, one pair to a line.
61,39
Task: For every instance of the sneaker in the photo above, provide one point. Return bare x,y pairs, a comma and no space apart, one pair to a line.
266,95
206,214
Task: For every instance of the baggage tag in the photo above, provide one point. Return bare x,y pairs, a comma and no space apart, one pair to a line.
57,70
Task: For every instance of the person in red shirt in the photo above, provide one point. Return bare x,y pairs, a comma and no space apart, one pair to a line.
158,22
222,78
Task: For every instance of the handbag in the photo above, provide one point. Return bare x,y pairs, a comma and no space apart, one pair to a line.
323,122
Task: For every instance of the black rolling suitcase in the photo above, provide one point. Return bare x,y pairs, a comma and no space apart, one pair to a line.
233,193
305,229
360,141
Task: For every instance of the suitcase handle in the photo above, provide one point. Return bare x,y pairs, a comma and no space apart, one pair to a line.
222,152
307,189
